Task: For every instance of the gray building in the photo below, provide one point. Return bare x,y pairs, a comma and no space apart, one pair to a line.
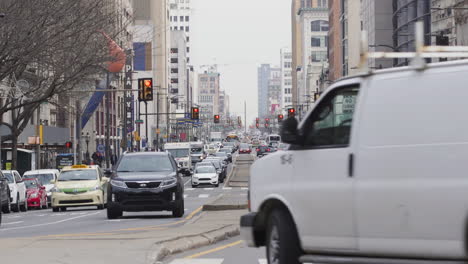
405,14
263,78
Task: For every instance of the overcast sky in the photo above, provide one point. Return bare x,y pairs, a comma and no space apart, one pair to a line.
239,35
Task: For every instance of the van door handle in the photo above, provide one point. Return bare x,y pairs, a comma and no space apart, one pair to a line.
351,165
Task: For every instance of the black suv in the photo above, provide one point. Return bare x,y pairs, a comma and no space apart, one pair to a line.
5,199
145,181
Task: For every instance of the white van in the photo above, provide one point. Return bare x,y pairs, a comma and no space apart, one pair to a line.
377,172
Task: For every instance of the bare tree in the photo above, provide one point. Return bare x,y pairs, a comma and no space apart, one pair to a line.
55,45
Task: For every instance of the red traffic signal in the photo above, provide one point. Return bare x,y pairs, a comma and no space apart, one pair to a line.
216,119
195,113
68,144
291,112
280,117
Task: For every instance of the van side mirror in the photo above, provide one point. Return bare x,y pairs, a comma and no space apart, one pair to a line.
289,132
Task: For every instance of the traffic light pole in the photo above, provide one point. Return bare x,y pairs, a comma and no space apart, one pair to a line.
157,120
108,94
146,123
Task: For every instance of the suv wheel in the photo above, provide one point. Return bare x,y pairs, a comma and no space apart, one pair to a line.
282,243
113,211
179,210
55,209
63,209
7,207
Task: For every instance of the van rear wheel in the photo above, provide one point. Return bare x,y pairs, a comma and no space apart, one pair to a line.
282,242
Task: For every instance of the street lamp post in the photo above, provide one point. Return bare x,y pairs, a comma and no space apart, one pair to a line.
87,137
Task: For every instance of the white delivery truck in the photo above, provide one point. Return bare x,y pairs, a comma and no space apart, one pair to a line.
181,153
197,151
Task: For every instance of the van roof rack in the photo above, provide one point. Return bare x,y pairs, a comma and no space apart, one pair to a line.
417,57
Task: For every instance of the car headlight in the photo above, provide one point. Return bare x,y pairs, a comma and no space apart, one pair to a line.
55,189
120,184
169,182
95,188
33,195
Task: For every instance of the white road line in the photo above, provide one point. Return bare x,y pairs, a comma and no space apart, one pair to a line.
244,188
227,188
185,196
243,194
50,223
14,216
78,213
187,182
189,189
197,261
262,261
208,189
13,223
203,196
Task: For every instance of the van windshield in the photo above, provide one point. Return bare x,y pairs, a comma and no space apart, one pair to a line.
179,153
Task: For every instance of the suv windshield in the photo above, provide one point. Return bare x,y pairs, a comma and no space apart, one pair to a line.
205,169
9,177
215,163
145,163
179,153
78,175
43,178
31,184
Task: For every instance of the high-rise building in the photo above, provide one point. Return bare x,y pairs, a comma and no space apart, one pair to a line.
377,22
335,57
263,77
178,91
405,14
443,24
313,16
274,91
208,94
179,18
296,62
461,22
286,77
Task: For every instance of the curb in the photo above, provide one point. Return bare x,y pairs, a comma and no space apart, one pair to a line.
224,207
183,243
228,180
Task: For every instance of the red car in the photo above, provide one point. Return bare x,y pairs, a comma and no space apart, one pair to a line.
36,193
244,148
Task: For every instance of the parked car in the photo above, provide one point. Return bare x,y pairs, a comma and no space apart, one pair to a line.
205,175
5,197
46,177
37,194
146,181
80,185
244,148
17,190
376,173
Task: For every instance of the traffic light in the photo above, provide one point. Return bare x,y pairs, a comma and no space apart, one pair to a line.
291,112
145,89
195,113
216,119
280,118
257,122
267,122
69,144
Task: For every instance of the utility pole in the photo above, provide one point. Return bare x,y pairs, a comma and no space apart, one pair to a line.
245,117
146,124
108,94
157,120
38,137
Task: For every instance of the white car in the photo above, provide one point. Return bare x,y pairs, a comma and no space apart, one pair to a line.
205,175
46,177
376,172
17,190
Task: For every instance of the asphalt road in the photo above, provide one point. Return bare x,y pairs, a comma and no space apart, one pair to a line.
89,220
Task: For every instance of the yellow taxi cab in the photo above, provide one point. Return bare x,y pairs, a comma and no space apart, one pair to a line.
79,185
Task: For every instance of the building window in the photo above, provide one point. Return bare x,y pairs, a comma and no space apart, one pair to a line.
287,64
181,28
170,18
315,42
186,29
174,60
188,49
188,39
212,79
319,26
187,18
175,18
181,18
318,56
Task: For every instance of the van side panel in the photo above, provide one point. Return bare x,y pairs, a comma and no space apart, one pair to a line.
412,164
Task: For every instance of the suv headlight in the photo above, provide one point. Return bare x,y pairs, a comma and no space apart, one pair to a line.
120,184
169,182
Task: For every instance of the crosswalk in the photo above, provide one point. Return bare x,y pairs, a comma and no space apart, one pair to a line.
207,261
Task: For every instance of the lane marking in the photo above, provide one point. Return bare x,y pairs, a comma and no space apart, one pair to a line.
197,261
194,213
214,249
244,188
13,223
185,196
208,189
189,189
77,235
203,196
262,261
50,223
188,180
227,188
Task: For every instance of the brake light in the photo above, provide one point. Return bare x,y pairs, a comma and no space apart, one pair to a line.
258,150
268,149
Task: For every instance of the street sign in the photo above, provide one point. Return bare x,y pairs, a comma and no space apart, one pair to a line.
138,121
101,148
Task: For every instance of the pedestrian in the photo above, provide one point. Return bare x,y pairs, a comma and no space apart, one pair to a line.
95,157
